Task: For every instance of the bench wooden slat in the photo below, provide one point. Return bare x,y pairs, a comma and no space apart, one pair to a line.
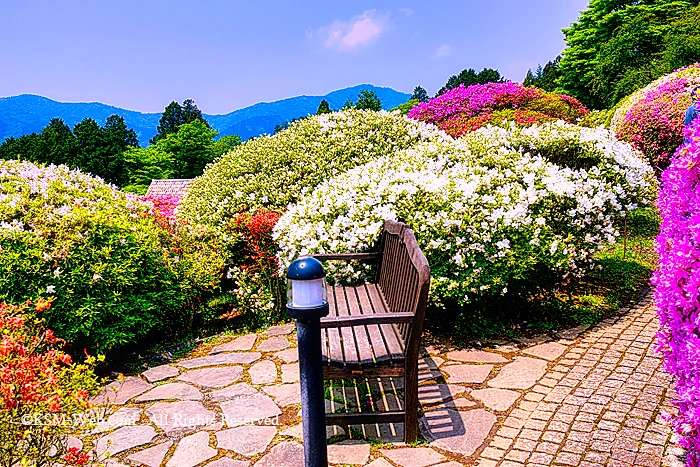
346,256
346,333
381,354
391,339
335,345
364,347
350,418
366,320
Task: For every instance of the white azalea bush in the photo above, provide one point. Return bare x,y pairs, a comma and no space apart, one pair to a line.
576,147
274,171
493,216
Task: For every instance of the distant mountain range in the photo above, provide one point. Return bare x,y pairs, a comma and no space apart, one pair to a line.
27,113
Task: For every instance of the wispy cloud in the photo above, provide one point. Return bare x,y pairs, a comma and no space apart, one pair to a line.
443,51
348,36
407,12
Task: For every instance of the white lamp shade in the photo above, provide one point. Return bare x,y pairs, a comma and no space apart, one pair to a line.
308,293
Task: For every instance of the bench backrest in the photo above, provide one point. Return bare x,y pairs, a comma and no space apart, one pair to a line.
403,275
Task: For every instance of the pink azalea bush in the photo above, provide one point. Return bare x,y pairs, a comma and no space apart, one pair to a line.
465,109
163,205
678,284
651,119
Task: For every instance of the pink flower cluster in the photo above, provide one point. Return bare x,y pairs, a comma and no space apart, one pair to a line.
464,109
163,205
677,282
654,124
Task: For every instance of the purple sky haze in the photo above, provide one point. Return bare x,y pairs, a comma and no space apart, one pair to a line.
226,55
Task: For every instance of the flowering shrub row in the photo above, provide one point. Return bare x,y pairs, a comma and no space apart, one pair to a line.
492,218
37,381
112,273
465,109
274,171
677,283
652,117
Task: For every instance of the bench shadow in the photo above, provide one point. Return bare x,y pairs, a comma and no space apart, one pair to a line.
440,420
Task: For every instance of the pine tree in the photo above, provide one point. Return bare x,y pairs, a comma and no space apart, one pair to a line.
323,108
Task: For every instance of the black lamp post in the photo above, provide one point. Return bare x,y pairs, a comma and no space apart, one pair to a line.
306,302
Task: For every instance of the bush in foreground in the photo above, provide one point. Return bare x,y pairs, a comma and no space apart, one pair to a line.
677,283
113,273
652,118
42,393
492,219
466,109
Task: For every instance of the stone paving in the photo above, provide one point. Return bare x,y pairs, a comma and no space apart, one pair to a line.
593,397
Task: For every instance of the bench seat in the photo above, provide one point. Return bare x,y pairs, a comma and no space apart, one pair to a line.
360,346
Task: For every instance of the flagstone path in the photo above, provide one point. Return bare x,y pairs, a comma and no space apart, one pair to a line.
592,397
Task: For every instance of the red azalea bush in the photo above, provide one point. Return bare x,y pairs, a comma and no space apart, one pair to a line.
42,392
651,119
466,109
677,284
253,267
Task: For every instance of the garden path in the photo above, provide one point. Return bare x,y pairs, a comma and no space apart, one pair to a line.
581,398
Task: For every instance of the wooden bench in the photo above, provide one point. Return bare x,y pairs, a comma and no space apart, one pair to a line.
374,330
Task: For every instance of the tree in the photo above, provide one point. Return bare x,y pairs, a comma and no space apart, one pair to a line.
368,100
349,104
90,156
469,77
406,107
682,42
323,107
26,147
225,144
546,78
192,148
617,45
530,78
182,154
284,125
57,144
117,139
176,115
143,165
420,94
88,147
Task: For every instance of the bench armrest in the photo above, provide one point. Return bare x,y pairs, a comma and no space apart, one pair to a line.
364,320
347,256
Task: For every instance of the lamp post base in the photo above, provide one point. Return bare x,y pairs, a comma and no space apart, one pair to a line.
313,409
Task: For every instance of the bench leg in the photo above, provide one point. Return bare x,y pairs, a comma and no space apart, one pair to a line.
411,402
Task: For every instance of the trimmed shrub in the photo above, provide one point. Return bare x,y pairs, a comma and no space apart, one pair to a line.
465,109
273,171
42,393
652,118
492,218
114,274
677,282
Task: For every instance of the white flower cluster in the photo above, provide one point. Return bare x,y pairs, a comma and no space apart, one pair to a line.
488,211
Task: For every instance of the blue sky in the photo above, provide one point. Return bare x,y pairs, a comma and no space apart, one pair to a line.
226,55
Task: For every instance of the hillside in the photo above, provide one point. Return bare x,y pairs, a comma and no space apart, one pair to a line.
28,113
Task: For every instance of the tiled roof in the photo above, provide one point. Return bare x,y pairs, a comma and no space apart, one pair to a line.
168,187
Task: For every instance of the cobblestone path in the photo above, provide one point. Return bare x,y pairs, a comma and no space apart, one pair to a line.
591,397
